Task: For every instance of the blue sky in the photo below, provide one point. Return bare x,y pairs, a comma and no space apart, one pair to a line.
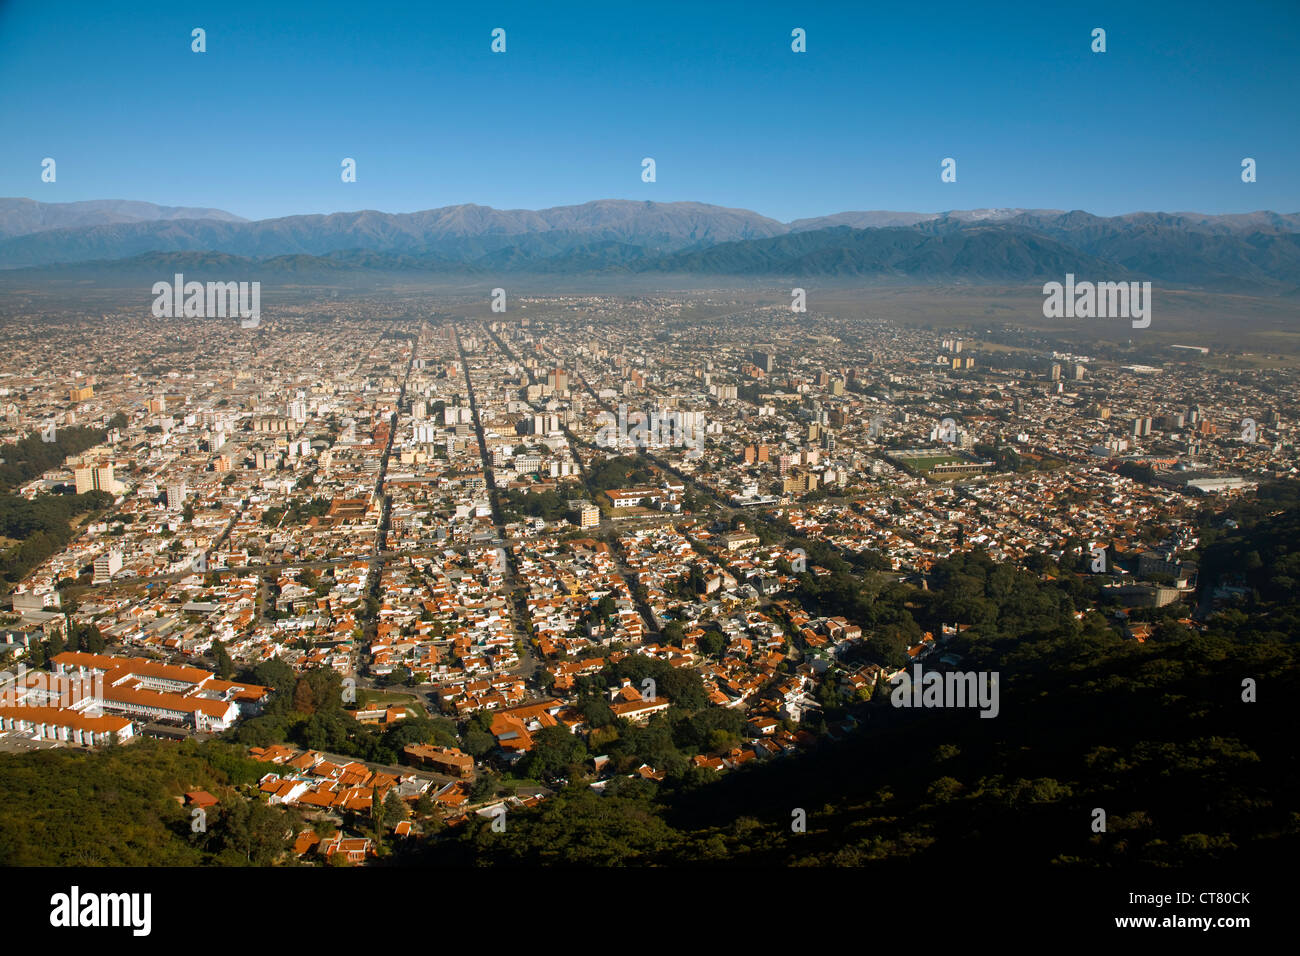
259,123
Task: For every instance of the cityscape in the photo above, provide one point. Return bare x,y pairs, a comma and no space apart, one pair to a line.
649,532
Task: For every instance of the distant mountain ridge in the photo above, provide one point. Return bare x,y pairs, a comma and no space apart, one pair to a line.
479,229
20,217
1258,251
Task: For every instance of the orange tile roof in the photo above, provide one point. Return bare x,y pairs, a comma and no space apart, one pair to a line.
305,841
64,717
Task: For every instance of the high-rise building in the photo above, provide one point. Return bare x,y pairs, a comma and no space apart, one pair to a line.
176,495
547,424
96,477
107,565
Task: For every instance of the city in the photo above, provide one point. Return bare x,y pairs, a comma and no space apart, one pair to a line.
450,513
444,449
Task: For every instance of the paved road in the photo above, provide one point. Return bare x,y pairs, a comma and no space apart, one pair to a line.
516,587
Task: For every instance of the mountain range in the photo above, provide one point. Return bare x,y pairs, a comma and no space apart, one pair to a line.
1257,252
20,217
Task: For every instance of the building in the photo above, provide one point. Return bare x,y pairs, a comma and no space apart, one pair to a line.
737,540
799,481
588,516
176,495
446,760
1205,483
65,725
633,497
96,478
544,424
1143,595
353,849
149,690
628,703
36,600
107,565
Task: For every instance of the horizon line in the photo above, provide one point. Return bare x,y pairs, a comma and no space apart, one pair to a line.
659,202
